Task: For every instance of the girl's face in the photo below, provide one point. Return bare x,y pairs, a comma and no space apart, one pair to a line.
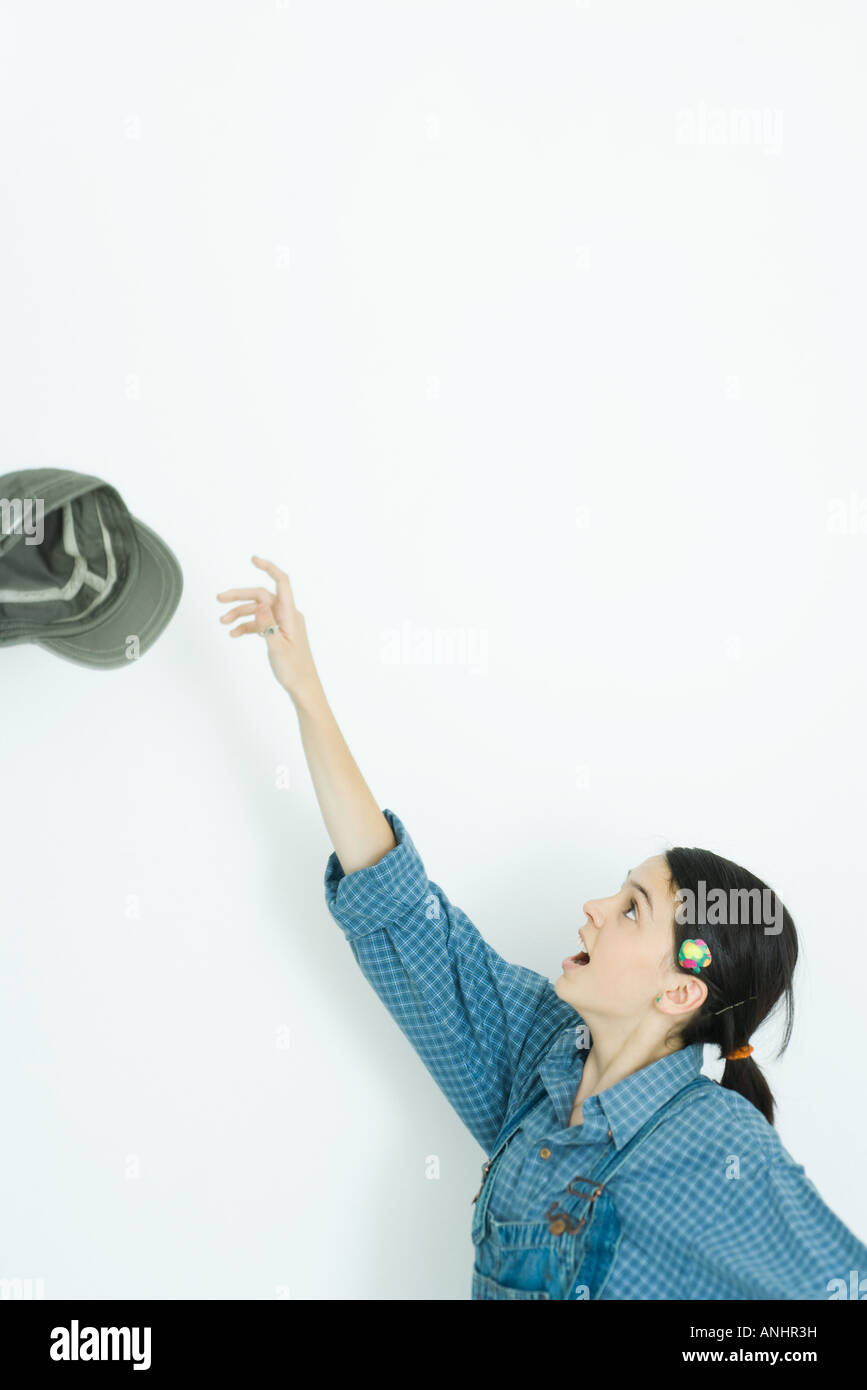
630,938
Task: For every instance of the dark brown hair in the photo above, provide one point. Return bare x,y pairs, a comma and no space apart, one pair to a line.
750,971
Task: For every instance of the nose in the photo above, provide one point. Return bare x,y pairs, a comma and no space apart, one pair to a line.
591,908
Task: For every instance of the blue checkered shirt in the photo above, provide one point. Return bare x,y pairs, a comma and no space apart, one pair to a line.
714,1206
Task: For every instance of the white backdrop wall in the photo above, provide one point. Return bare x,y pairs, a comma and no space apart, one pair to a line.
540,323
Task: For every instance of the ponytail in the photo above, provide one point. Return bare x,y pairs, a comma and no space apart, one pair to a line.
750,971
745,1076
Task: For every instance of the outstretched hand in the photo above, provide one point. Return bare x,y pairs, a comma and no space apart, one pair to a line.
288,648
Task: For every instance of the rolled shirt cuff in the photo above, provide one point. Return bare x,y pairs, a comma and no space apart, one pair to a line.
381,893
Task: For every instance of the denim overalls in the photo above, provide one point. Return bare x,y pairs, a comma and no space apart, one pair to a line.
558,1256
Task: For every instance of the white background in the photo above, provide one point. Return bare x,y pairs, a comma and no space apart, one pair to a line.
438,306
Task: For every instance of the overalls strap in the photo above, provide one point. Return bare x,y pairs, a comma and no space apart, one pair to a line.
600,1224
569,1250
683,1097
609,1166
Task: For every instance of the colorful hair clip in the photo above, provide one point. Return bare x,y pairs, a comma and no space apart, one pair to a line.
694,954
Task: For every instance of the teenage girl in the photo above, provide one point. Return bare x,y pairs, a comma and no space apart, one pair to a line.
616,1169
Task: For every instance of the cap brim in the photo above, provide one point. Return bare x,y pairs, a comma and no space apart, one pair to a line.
137,621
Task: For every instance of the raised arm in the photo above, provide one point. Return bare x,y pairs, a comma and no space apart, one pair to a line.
356,826
477,1022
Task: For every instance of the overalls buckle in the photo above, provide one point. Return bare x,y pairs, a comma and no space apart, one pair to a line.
560,1221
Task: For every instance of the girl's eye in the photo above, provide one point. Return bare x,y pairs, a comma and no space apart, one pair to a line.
632,908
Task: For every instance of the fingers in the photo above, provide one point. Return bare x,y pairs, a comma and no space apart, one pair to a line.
258,598
241,611
260,595
284,590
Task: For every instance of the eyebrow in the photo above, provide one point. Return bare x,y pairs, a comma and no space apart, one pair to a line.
637,885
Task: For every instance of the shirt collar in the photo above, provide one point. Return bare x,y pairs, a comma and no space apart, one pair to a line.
628,1103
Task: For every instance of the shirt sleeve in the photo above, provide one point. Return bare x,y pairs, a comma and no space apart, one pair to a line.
814,1249
477,1023
790,1244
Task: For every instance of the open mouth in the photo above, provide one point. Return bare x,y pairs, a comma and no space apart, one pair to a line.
580,958
573,962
